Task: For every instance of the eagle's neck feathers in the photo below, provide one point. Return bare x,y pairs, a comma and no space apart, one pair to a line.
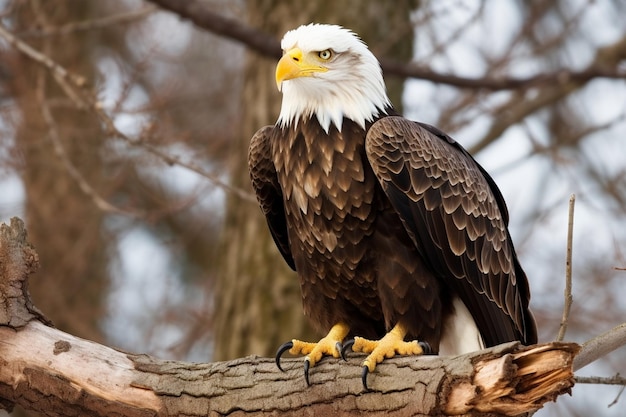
302,102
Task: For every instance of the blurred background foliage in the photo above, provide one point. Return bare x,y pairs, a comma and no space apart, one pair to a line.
132,177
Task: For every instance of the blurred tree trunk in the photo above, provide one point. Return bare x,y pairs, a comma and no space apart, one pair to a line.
65,225
258,304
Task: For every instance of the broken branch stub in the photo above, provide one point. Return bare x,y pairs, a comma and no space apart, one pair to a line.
18,260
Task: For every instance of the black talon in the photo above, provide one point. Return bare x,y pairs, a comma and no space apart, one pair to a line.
345,347
339,348
425,348
282,349
307,365
364,374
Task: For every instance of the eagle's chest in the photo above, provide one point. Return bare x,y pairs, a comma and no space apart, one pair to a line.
328,190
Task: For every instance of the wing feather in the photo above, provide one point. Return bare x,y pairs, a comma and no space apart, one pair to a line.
457,218
268,191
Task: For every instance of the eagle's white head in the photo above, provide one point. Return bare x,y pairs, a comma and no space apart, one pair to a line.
327,71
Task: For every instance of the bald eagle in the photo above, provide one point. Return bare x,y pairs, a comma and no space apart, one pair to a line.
398,236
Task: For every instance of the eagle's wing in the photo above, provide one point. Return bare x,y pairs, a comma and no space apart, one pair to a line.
267,189
457,219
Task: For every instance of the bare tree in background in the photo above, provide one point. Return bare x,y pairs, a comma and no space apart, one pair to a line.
65,223
537,95
88,189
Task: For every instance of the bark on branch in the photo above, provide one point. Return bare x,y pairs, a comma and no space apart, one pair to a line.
47,370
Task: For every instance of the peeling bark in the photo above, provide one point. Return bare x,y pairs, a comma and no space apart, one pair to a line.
18,260
52,372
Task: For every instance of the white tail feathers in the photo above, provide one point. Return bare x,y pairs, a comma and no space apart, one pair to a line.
460,334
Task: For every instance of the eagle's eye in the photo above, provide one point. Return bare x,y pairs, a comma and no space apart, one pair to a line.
325,54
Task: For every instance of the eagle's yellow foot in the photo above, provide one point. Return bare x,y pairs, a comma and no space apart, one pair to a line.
390,345
330,345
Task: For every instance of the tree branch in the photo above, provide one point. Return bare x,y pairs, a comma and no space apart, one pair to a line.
201,14
600,346
52,372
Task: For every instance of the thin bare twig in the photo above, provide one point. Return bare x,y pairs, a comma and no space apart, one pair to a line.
619,394
90,24
70,168
73,86
66,80
567,306
616,379
175,160
611,380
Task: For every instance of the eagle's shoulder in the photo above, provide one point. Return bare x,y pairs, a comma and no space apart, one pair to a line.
432,149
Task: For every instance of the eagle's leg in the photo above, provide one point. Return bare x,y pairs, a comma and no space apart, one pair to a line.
330,345
390,345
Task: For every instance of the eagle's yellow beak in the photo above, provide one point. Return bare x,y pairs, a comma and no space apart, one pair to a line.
295,64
